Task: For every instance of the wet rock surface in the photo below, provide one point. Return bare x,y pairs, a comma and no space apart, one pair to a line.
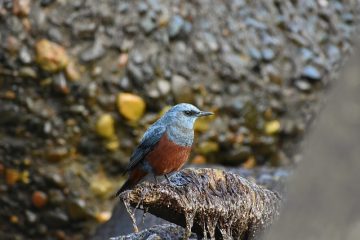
209,202
260,65
120,223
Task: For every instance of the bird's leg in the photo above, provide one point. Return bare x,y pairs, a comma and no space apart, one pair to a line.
156,179
167,178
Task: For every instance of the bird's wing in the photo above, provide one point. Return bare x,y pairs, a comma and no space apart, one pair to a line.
148,142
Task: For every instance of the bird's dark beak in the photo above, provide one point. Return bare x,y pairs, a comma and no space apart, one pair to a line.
203,114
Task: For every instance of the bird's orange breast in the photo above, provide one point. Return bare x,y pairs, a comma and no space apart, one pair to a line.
167,156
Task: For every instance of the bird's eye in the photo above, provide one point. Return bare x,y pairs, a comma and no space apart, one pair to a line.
188,113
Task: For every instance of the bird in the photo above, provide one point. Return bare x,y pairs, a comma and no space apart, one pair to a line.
165,146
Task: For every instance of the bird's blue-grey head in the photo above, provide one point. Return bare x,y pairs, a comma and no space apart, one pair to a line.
184,115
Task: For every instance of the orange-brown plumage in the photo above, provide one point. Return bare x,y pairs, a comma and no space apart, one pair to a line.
167,156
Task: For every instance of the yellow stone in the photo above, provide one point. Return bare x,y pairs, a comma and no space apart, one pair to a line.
72,72
103,216
50,56
272,127
208,147
105,126
112,144
101,185
250,163
131,106
199,159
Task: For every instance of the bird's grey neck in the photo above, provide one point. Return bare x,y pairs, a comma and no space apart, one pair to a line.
180,135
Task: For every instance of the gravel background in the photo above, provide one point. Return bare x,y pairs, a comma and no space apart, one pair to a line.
261,66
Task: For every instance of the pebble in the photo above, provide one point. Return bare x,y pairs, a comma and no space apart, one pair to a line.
268,54
50,56
164,87
198,159
12,176
94,52
84,29
56,218
60,84
181,89
27,72
311,73
272,127
123,60
103,216
105,126
24,55
21,8
57,154
302,85
30,216
131,106
72,72
101,185
207,147
77,209
175,25
147,25
39,199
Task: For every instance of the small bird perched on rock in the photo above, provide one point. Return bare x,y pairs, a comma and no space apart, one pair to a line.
165,146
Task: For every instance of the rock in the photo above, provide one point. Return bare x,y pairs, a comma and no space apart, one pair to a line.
147,25
254,53
101,186
30,216
39,199
164,87
12,176
131,106
123,60
135,73
72,72
45,3
311,73
198,159
272,127
249,163
175,25
268,54
21,8
112,144
60,84
56,197
56,218
50,56
77,209
105,126
302,85
27,72
57,154
25,55
181,89
103,216
208,147
142,7
94,52
84,29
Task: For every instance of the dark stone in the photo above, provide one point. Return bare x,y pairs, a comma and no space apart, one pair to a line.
94,52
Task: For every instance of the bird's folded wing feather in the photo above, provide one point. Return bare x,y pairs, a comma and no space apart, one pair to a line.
151,137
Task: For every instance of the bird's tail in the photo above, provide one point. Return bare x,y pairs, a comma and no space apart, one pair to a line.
135,176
